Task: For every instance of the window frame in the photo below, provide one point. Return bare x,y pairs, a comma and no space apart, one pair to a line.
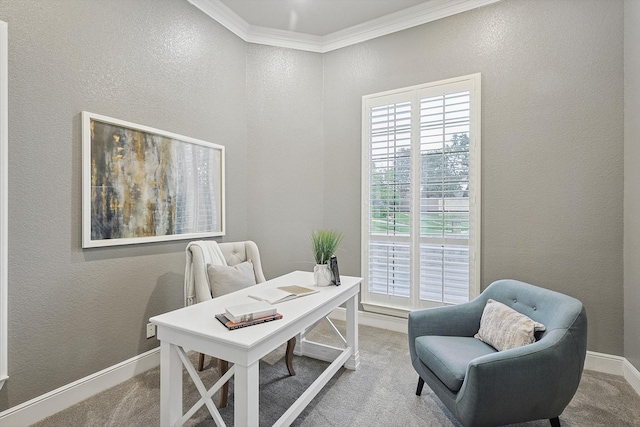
401,306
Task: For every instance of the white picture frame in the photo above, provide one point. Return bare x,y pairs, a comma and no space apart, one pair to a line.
142,185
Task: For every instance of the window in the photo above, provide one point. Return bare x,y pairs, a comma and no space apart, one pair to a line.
421,196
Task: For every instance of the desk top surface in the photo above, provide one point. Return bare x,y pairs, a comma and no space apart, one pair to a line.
199,319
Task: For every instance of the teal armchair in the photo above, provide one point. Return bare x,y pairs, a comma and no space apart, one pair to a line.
485,387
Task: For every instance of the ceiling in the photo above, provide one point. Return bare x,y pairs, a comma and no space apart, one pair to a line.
317,17
325,25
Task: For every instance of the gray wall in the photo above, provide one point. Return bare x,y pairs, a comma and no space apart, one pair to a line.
552,140
632,181
552,156
161,63
285,163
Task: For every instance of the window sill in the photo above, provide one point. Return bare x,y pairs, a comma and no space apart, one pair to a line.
385,309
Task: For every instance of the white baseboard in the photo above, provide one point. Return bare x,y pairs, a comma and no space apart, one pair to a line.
616,365
601,362
55,401
48,404
396,324
632,375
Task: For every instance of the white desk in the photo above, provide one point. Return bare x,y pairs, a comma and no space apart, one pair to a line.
196,328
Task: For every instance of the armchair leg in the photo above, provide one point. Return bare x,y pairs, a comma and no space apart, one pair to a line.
201,362
421,384
291,344
223,367
555,422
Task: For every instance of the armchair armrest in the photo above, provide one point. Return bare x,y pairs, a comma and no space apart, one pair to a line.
199,272
455,320
546,372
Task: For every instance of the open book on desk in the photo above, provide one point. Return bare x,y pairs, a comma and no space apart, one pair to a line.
281,293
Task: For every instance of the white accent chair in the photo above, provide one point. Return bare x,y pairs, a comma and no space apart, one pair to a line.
234,253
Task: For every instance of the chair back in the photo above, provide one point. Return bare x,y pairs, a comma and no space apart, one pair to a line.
564,317
234,253
237,252
552,309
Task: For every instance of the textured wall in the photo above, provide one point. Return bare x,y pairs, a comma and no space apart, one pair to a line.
632,181
161,63
552,156
285,163
552,140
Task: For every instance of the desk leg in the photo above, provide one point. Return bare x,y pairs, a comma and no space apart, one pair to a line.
352,333
246,383
170,385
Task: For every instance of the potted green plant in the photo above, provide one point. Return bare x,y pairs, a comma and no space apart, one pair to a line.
325,243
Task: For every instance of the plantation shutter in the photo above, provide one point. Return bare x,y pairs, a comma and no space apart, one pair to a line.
390,183
420,210
444,197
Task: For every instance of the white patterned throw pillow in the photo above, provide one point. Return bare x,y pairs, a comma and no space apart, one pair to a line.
503,327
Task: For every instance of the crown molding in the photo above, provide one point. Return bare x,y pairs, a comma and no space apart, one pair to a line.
283,38
398,21
420,14
223,15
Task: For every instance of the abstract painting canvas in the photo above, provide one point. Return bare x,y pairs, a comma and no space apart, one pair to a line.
142,184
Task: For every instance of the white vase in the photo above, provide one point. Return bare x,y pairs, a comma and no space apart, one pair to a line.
322,275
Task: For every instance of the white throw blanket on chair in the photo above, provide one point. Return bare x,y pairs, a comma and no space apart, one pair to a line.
196,292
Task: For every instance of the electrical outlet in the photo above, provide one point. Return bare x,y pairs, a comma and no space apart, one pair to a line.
151,330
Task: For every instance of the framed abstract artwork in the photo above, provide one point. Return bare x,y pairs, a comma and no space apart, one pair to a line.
141,184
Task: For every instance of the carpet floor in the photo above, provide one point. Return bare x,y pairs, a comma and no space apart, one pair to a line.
380,393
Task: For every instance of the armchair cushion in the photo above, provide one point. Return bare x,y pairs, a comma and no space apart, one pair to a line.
503,328
225,279
448,357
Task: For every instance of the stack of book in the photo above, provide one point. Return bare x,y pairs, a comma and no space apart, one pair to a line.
239,316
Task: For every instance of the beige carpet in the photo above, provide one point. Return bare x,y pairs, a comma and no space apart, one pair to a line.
380,393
